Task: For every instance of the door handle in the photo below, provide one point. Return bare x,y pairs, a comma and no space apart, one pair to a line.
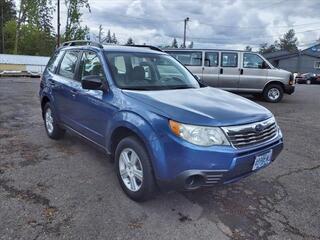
221,70
241,71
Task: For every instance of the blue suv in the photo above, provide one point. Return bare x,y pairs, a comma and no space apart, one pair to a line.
162,127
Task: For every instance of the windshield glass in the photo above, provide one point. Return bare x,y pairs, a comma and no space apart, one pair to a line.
148,71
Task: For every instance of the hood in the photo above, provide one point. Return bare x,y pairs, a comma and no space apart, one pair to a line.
202,106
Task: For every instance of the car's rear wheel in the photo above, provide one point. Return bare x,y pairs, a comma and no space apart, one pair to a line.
134,169
308,81
273,93
52,128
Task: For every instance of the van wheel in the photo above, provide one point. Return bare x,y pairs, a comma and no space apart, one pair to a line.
134,169
52,128
273,93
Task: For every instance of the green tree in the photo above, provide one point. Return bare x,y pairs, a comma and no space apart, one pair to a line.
108,38
74,30
248,48
7,13
114,39
174,43
265,48
289,41
130,41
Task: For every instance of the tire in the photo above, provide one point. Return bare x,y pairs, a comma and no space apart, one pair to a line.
136,177
308,82
52,128
273,93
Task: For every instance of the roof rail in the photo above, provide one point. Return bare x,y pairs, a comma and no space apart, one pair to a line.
147,46
81,42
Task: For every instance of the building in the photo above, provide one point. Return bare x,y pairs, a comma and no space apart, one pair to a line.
304,61
22,63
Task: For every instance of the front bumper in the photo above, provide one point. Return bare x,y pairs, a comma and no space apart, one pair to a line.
289,89
240,167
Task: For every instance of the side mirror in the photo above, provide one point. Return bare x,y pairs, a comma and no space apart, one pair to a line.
92,82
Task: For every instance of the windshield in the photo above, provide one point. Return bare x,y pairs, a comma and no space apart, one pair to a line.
148,71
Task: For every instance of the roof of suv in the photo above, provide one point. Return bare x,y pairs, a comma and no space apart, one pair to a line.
111,48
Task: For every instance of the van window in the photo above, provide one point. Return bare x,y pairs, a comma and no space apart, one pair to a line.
229,59
68,64
251,60
211,59
188,58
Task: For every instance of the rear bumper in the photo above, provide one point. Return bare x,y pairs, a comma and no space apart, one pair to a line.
289,89
242,167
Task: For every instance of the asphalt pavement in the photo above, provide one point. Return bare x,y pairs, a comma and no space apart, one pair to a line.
68,189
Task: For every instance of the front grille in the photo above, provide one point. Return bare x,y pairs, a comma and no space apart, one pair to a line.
250,134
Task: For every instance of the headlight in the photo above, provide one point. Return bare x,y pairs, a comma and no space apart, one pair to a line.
199,135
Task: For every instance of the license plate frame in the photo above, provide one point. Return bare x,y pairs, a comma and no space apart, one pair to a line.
262,160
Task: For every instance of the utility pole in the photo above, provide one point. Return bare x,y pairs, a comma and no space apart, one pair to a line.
185,32
2,31
100,33
58,24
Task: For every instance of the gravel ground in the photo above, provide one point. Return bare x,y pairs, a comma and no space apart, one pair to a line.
68,189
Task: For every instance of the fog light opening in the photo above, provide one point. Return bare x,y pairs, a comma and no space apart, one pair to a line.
194,181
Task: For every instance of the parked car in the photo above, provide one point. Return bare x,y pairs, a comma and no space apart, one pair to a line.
237,71
159,124
308,78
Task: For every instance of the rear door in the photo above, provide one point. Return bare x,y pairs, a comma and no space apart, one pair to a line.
191,59
67,86
210,73
253,74
229,73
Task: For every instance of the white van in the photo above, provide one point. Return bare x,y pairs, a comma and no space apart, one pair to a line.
236,71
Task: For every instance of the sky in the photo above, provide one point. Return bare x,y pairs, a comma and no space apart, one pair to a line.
230,24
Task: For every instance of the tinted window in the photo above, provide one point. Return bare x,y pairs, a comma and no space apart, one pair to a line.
211,59
317,65
145,71
188,58
68,64
229,59
54,61
251,60
90,65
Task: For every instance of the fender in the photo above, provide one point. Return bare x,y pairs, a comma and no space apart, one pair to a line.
141,127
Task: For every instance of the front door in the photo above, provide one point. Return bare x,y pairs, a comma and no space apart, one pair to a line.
229,73
254,73
210,73
92,107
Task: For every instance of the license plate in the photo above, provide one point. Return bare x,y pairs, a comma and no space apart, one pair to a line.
262,160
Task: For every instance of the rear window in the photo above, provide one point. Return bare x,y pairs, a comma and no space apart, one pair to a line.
188,58
68,64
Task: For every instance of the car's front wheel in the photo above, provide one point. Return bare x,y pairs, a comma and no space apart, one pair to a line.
134,169
52,128
273,93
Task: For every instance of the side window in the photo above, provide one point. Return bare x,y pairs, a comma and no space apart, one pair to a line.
317,64
90,65
68,64
229,59
54,61
211,59
188,58
251,60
